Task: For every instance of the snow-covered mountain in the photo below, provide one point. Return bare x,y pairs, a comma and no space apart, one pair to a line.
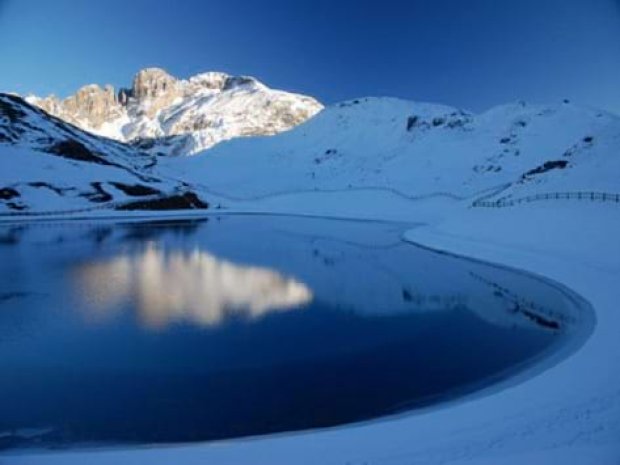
418,150
47,165
351,158
165,115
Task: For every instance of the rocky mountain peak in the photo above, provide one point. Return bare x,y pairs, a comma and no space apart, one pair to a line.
153,83
233,82
91,103
181,116
95,103
211,80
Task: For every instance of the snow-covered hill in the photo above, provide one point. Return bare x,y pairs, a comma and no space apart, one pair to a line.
165,115
387,158
363,154
47,165
419,150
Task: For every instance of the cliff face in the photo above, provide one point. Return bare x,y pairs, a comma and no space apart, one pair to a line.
92,104
173,116
157,87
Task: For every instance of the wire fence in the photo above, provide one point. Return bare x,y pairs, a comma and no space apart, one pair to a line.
589,196
480,202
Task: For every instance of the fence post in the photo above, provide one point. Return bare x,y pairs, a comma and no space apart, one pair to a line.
500,203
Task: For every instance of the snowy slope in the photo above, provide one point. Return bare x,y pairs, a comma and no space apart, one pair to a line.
170,116
47,165
370,155
381,158
419,150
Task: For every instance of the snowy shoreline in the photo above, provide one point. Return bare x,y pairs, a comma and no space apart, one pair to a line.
465,177
567,413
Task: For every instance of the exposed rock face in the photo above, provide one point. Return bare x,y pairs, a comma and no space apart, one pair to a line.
166,115
156,85
91,103
94,103
211,80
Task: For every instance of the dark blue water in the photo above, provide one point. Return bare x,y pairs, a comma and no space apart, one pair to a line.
245,325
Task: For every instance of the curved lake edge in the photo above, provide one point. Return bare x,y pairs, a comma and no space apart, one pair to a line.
550,358
546,360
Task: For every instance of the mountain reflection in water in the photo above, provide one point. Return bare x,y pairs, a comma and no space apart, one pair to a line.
194,287
160,332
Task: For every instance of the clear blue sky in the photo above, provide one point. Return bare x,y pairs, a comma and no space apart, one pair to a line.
472,54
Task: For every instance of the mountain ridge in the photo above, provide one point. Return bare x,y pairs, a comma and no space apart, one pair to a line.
164,115
393,154
417,150
48,165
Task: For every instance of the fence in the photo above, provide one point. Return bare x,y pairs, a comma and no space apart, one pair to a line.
590,196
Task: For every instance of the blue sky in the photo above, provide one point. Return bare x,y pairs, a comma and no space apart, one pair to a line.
473,54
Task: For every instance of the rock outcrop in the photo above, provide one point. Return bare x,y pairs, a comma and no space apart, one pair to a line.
171,116
93,104
156,86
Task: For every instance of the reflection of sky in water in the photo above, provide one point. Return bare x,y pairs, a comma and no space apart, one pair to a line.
191,286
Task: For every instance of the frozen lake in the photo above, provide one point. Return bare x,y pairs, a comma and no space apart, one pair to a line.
158,332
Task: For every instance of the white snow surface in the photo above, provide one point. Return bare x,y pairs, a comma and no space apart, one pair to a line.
55,167
365,144
359,160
